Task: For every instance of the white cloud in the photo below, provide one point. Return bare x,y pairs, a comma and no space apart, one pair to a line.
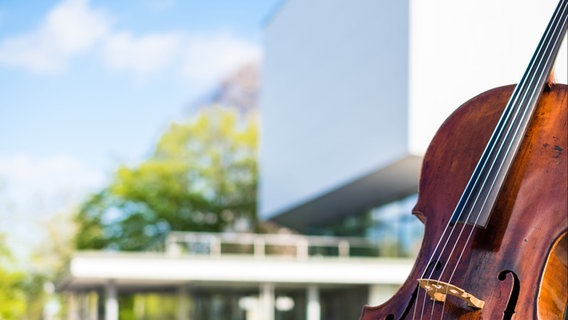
142,55
69,29
74,28
203,59
208,58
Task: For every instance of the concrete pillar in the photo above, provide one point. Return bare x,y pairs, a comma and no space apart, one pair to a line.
267,301
93,306
303,249
343,249
259,247
83,305
183,305
313,311
73,311
111,301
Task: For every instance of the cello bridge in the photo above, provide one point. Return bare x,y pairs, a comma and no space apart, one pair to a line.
438,290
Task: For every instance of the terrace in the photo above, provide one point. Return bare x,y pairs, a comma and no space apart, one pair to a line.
261,268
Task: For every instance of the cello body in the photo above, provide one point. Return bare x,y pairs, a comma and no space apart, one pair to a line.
518,263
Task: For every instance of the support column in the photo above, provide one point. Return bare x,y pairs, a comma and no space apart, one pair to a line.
73,311
111,301
82,305
93,306
313,311
267,301
183,306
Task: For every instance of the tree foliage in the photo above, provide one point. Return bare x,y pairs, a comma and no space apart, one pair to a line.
202,176
12,296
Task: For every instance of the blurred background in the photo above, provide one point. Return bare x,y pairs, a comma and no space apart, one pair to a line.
93,86
218,132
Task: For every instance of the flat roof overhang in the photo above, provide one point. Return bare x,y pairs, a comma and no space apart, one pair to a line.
392,182
145,271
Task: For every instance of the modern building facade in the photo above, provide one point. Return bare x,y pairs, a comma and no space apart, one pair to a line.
353,92
202,276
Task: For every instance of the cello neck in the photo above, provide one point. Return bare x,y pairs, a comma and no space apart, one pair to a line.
480,194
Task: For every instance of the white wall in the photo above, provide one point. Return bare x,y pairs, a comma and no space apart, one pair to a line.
334,102
462,48
349,86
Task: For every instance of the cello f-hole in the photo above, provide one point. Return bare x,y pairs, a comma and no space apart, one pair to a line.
513,297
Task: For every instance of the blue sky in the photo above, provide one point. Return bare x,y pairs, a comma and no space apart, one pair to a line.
87,85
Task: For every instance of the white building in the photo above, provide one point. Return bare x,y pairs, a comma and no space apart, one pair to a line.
353,92
244,276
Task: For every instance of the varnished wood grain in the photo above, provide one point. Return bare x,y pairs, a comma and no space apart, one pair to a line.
508,258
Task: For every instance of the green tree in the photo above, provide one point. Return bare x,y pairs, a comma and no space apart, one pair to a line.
202,176
12,297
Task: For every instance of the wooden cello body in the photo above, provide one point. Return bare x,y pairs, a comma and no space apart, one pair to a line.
518,264
513,265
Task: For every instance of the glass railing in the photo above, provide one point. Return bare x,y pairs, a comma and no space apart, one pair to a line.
267,245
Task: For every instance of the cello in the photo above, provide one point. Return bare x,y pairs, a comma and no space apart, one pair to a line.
493,196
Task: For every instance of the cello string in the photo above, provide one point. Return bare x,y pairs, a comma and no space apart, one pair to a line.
431,259
505,121
476,220
510,146
511,129
467,195
533,88
542,75
474,180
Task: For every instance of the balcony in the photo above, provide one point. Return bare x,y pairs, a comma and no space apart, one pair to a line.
187,262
